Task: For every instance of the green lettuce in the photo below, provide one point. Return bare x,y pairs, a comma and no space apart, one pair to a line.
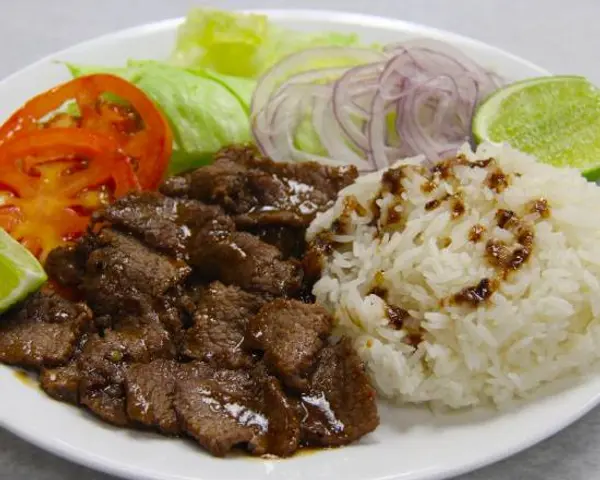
244,45
205,90
206,110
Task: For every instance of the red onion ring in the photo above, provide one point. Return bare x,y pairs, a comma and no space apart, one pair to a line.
431,88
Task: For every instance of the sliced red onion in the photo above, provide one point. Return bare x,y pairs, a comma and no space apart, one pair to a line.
430,87
301,62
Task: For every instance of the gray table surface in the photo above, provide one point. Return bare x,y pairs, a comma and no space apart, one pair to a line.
559,35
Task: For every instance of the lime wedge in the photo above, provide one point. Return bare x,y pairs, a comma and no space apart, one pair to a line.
557,119
20,272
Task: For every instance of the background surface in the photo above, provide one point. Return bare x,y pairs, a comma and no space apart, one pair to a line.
561,36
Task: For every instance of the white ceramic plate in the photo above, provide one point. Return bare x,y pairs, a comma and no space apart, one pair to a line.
411,443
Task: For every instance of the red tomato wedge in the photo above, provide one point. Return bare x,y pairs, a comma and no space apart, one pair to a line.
134,123
51,180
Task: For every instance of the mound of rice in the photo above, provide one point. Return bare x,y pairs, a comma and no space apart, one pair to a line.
438,315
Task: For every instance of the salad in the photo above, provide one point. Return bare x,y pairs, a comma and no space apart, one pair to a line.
237,78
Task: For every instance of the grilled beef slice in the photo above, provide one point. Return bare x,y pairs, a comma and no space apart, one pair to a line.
258,191
242,259
238,408
104,361
220,321
339,405
291,334
288,240
42,331
62,383
66,264
160,222
122,274
150,391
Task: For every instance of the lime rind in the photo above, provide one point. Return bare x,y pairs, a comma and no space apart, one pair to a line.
20,272
555,118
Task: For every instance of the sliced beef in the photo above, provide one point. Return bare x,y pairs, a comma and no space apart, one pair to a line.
238,408
259,191
190,297
66,265
62,383
123,275
42,331
291,334
288,240
284,432
325,179
166,310
105,359
217,341
150,390
220,321
262,269
212,249
339,406
202,273
160,222
242,259
221,182
219,412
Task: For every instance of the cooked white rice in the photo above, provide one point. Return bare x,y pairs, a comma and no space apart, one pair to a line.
541,322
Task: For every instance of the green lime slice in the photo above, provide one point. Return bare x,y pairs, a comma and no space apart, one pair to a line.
20,272
557,119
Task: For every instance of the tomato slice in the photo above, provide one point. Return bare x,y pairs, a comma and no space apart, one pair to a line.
52,180
137,125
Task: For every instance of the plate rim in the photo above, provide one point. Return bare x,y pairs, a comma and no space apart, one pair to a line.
121,470
343,17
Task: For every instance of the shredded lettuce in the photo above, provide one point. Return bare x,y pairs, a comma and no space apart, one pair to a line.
205,110
244,45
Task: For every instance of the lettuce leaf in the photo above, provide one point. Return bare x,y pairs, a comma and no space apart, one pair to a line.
205,110
206,88
241,88
244,45
128,73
